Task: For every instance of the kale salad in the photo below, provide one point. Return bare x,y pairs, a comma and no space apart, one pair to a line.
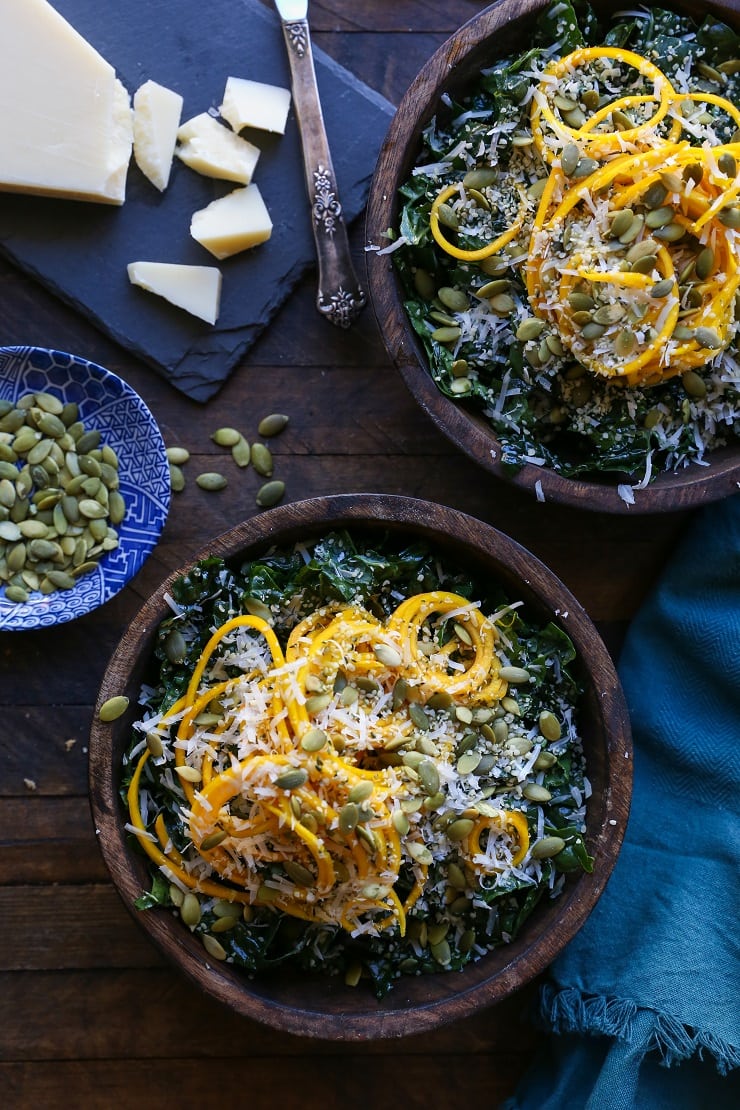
355,760
568,244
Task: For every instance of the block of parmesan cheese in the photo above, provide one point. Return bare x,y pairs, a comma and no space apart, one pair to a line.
215,151
197,289
157,112
232,223
65,119
254,104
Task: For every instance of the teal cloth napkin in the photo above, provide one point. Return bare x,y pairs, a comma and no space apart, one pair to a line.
653,979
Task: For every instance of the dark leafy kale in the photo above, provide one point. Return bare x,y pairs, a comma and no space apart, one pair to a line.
343,567
585,429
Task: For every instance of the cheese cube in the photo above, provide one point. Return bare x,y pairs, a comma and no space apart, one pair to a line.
254,104
197,289
232,223
65,119
215,151
157,112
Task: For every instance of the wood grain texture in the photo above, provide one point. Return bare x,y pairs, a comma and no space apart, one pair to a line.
95,1018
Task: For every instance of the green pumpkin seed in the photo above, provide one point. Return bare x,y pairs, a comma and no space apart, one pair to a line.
190,910
671,233
387,655
113,708
273,424
503,304
241,452
549,725
480,178
708,338
694,384
299,874
262,459
447,334
448,217
17,594
226,437
608,314
292,779
662,288
314,740
177,455
459,829
659,217
593,331
585,167
624,344
533,792
569,158
452,298
655,195
210,480
213,947
704,263
621,222
546,847
730,217
727,164
419,717
544,761
349,815
531,328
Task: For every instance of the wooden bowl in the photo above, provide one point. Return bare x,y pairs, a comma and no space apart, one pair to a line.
325,1007
501,29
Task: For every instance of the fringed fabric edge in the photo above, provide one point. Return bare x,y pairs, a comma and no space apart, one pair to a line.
567,1010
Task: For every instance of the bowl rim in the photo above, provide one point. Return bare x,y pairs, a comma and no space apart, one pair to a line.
137,542
388,1017
446,68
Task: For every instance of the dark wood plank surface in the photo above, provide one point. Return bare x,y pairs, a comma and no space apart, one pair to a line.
89,1014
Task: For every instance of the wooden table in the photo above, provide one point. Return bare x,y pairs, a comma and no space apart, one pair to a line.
90,1016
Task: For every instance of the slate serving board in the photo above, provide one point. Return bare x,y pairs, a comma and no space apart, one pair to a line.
80,251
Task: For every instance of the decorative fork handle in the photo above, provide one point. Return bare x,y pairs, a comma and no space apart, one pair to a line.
340,297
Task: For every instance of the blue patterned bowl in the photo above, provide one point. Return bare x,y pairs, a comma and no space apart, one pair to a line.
110,405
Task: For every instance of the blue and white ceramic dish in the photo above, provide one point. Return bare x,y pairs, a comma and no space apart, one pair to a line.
107,403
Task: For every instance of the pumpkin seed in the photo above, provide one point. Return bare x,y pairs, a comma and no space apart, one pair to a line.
593,331
531,328
704,263
624,344
190,910
544,761
708,338
694,384
533,792
298,873
269,494
17,594
428,776
177,455
213,947
211,480
262,459
671,233
727,164
272,424
292,779
468,762
314,740
608,314
113,708
655,195
188,773
478,197
479,178
349,815
459,829
447,334
659,217
452,298
729,216
549,725
569,158
585,167
387,655
448,217
662,288
419,717
546,847
226,437
424,284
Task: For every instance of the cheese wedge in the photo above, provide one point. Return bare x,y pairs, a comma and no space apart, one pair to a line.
157,112
215,151
232,223
254,104
65,119
197,289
